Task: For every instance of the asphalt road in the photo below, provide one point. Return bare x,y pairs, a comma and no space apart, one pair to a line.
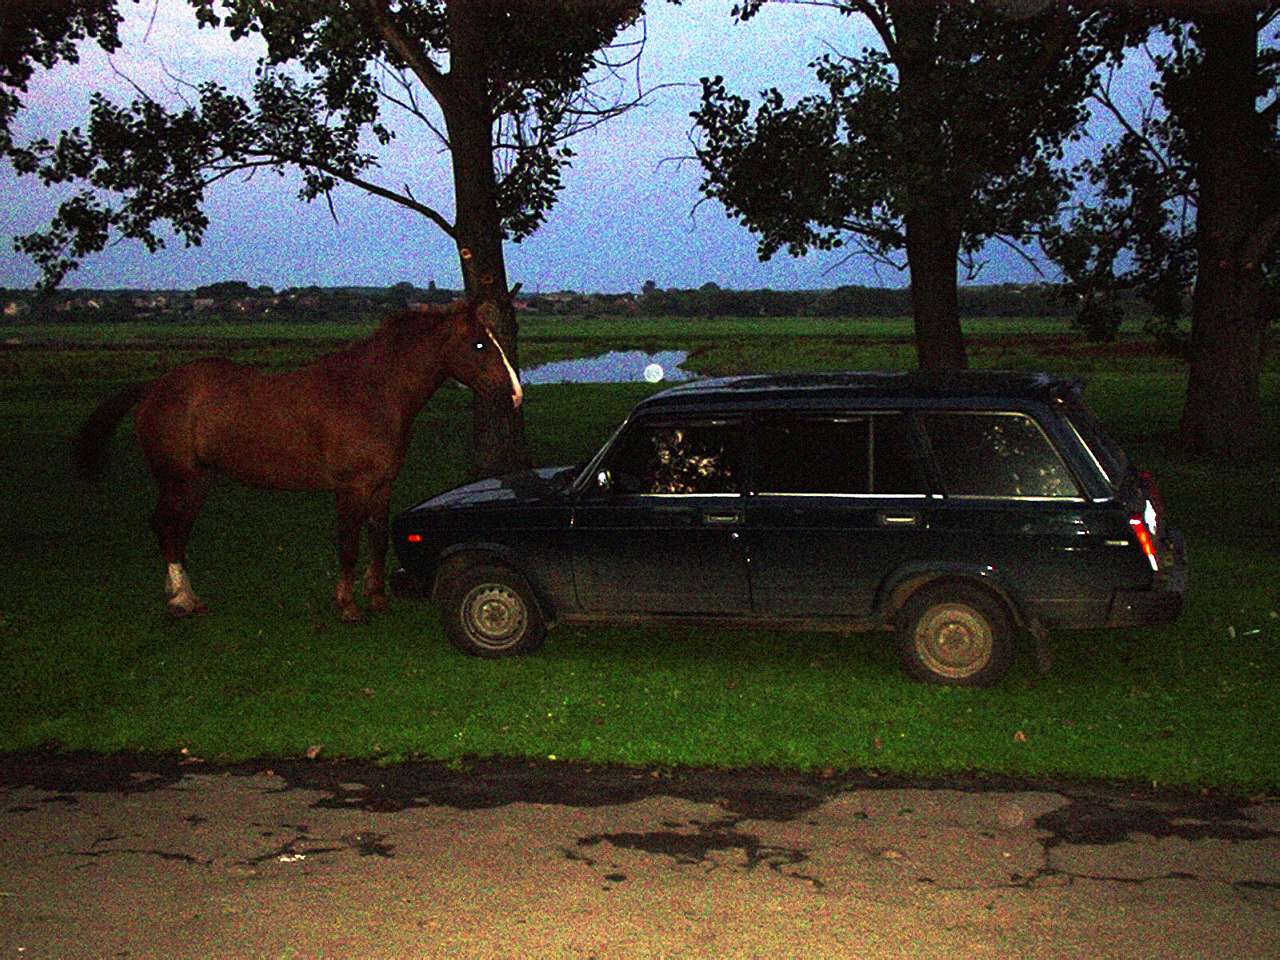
151,857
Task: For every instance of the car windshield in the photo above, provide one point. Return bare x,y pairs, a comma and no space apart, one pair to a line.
1109,454
591,464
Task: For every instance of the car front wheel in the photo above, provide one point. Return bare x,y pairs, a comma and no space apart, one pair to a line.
955,635
489,611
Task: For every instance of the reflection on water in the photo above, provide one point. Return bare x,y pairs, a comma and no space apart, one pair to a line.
618,366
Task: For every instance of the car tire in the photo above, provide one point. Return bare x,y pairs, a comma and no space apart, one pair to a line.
489,611
956,635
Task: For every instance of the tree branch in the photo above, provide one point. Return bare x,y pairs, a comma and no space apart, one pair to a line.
437,83
268,158
1017,248
1103,97
381,191
410,102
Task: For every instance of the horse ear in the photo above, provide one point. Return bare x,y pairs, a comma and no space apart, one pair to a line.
511,294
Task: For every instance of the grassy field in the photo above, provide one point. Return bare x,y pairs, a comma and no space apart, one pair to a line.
90,660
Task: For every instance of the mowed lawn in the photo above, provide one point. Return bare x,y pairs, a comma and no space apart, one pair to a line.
90,660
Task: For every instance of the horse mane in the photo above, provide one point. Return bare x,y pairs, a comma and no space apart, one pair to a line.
422,314
412,323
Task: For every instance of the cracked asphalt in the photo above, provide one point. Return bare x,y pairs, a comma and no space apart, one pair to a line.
135,856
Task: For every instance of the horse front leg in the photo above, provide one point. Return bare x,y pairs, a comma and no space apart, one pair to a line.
352,511
375,578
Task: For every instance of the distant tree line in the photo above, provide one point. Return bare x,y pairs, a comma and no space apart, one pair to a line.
225,300
238,299
988,300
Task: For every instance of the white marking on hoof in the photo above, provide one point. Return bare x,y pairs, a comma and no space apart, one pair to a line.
182,599
176,580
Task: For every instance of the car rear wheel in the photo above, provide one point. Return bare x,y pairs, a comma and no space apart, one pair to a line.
489,611
956,635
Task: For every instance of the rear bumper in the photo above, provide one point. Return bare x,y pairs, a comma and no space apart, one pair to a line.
1163,602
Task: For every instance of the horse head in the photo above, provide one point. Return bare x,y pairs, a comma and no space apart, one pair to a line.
472,355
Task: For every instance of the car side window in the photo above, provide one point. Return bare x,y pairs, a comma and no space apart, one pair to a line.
996,455
689,458
864,454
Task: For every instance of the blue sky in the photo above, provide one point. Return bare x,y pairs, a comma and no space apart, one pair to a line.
626,214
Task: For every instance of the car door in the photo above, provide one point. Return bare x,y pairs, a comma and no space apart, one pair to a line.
836,507
662,534
1012,505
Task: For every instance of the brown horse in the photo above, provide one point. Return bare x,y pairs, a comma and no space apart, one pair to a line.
340,423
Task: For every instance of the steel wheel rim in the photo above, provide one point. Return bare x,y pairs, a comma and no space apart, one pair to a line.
494,615
954,640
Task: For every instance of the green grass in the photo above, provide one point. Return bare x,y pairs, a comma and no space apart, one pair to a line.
89,659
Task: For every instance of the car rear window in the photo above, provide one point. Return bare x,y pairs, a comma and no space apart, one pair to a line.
861,454
996,455
1109,454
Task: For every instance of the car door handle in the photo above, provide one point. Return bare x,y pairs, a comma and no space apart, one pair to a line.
899,519
721,518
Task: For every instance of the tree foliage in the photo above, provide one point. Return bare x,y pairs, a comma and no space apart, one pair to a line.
339,79
1187,209
966,104
1137,228
41,33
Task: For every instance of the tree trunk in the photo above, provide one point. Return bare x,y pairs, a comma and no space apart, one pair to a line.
497,429
1222,414
931,224
933,245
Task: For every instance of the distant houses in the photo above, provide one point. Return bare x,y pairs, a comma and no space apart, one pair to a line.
236,300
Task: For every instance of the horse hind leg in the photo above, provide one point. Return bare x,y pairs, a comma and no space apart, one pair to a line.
353,509
375,577
180,500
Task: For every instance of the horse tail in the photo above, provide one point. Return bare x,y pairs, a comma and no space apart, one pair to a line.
89,448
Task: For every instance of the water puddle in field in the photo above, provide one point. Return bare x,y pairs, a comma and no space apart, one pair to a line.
617,366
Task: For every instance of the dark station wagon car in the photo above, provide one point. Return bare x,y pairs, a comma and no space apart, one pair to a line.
962,510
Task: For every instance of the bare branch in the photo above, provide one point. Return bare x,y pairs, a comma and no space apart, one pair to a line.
1103,98
1027,258
381,191
152,22
121,75
437,83
878,259
269,158
409,103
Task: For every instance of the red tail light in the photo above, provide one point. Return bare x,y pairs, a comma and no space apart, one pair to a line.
1145,541
414,538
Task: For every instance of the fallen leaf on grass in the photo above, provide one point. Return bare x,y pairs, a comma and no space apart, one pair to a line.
1020,737
313,751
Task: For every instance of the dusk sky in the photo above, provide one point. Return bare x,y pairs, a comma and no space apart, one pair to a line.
626,214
